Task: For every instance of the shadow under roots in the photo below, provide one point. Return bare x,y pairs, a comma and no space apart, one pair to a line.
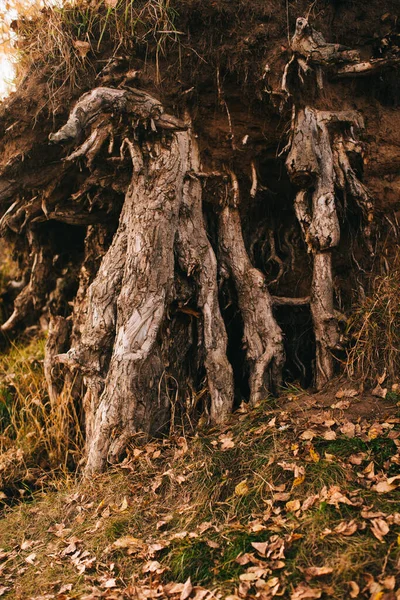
299,343
236,352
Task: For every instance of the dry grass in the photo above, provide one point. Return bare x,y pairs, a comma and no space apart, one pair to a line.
183,494
374,330
63,42
35,435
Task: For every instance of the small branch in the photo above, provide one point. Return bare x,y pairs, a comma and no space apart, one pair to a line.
285,301
369,67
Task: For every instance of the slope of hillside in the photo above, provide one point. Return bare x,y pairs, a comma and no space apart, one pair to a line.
297,501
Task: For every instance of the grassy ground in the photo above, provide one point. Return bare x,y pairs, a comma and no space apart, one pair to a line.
294,502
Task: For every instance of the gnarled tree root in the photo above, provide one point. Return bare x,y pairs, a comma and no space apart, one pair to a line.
318,163
262,337
197,258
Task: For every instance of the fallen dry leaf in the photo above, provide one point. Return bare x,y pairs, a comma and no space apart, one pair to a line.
187,590
379,391
82,47
292,505
383,487
389,583
311,572
354,589
109,583
308,434
346,393
348,528
129,543
31,558
261,547
379,528
348,429
341,405
303,591
226,442
242,488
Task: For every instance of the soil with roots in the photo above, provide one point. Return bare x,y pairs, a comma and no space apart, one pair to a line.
195,228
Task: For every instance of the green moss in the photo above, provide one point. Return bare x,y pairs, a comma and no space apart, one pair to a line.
379,449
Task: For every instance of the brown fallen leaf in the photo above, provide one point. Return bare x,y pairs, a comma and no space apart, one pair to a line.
261,547
292,505
341,405
31,558
226,442
242,489
335,497
129,543
348,528
346,393
303,591
187,590
311,572
379,391
348,429
389,583
82,47
379,528
109,583
354,589
383,487
308,434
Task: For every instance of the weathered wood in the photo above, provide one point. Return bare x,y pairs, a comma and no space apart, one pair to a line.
102,100
262,337
324,318
366,68
56,343
32,297
197,258
311,44
318,163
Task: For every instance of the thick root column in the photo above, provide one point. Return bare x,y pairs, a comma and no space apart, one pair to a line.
262,335
116,335
197,258
131,390
318,163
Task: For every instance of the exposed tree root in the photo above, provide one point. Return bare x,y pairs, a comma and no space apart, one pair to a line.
262,335
141,167
318,163
198,259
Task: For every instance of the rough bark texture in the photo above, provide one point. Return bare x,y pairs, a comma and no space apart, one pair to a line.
262,335
182,261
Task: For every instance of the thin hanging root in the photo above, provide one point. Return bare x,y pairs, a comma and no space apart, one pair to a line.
92,146
356,188
33,295
324,317
57,341
197,257
274,256
262,335
254,182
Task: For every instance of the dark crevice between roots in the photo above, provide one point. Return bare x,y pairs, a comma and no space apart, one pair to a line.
299,343
236,352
